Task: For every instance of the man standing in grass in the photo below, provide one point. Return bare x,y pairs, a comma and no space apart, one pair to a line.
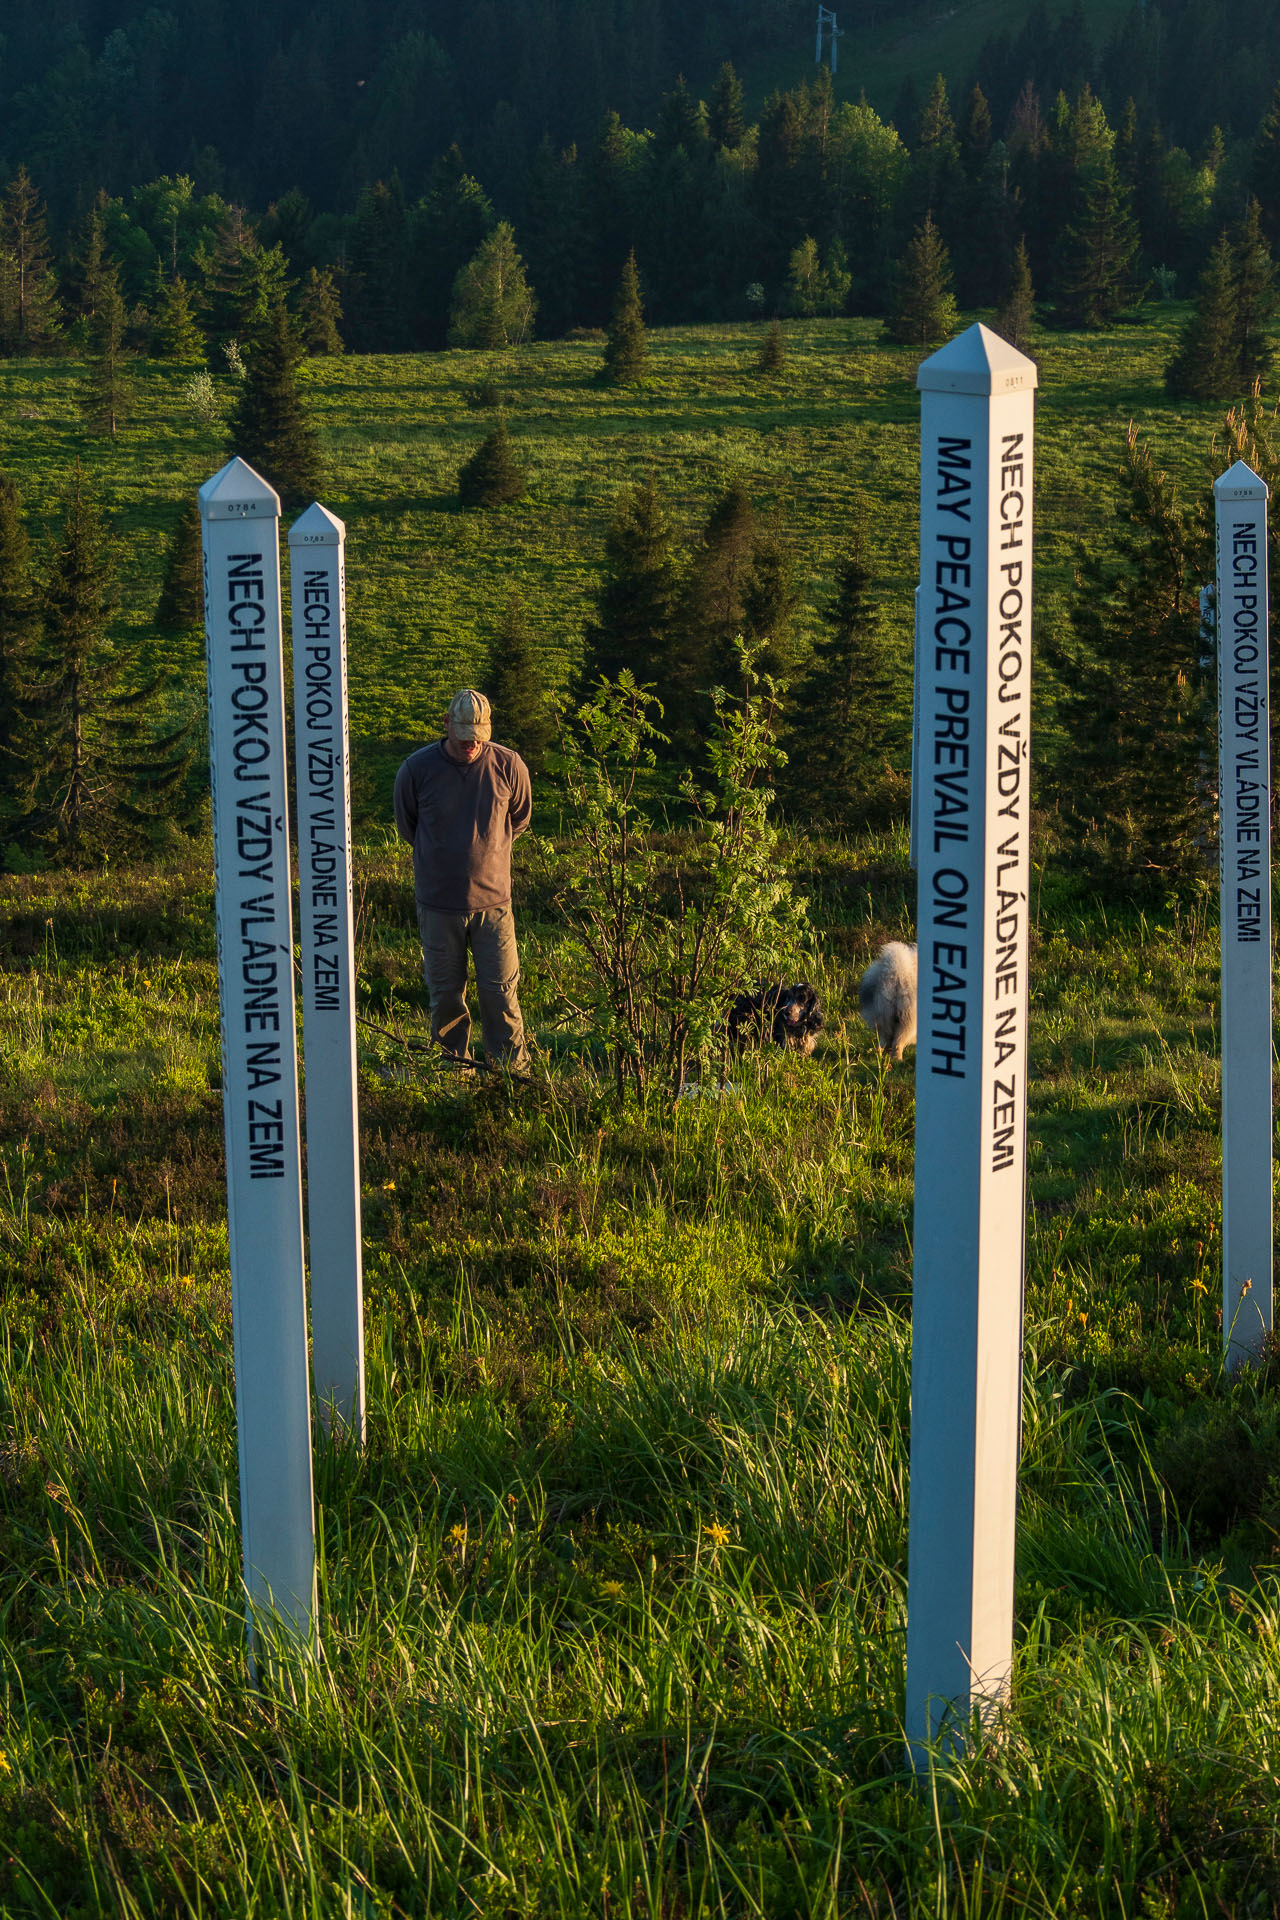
460,803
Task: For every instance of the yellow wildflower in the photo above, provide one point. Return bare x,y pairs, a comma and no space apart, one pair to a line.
613,1588
717,1534
457,1535
4,1762
388,1186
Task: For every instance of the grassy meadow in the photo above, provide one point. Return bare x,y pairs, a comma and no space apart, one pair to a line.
613,1602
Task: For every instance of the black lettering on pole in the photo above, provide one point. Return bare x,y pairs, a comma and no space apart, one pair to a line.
1006,903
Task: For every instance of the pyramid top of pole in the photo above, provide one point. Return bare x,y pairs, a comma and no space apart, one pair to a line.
977,361
1240,482
317,527
236,492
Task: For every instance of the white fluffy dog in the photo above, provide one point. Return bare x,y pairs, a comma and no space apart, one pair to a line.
887,997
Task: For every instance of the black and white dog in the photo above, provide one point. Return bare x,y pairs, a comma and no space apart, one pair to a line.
788,1016
887,997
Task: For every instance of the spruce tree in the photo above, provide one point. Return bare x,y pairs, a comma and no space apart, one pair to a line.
19,624
1264,175
517,688
492,304
224,278
924,308
490,477
772,357
1130,776
638,597
377,271
726,121
1098,252
88,263
30,316
847,727
1016,317
1255,296
739,586
626,353
1206,365
176,333
269,427
94,764
106,397
180,608
320,309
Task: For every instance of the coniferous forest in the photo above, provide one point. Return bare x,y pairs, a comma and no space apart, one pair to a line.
362,154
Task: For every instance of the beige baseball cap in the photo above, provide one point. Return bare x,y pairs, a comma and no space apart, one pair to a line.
470,715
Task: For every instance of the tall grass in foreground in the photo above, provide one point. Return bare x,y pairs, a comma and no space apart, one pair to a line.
613,1602
648,1661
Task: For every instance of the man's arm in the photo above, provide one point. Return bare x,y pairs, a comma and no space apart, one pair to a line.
406,804
520,811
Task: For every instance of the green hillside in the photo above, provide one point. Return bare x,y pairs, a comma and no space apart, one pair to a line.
876,57
612,1603
428,582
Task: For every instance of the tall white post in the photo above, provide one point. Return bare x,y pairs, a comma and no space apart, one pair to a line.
322,766
973,808
1244,811
240,516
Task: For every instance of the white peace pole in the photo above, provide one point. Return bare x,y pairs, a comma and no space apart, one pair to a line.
973,777
1244,811
240,516
322,766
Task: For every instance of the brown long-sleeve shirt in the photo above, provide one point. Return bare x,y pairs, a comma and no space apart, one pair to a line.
460,821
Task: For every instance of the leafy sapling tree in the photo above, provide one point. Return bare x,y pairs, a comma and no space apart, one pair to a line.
517,688
626,352
816,286
270,428
492,304
661,940
96,766
490,477
924,307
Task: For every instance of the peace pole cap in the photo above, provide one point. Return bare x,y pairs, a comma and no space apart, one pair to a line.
470,715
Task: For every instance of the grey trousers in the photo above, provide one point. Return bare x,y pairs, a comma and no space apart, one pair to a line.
491,936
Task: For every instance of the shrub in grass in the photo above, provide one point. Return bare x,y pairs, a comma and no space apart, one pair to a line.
662,938
626,352
772,357
490,478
